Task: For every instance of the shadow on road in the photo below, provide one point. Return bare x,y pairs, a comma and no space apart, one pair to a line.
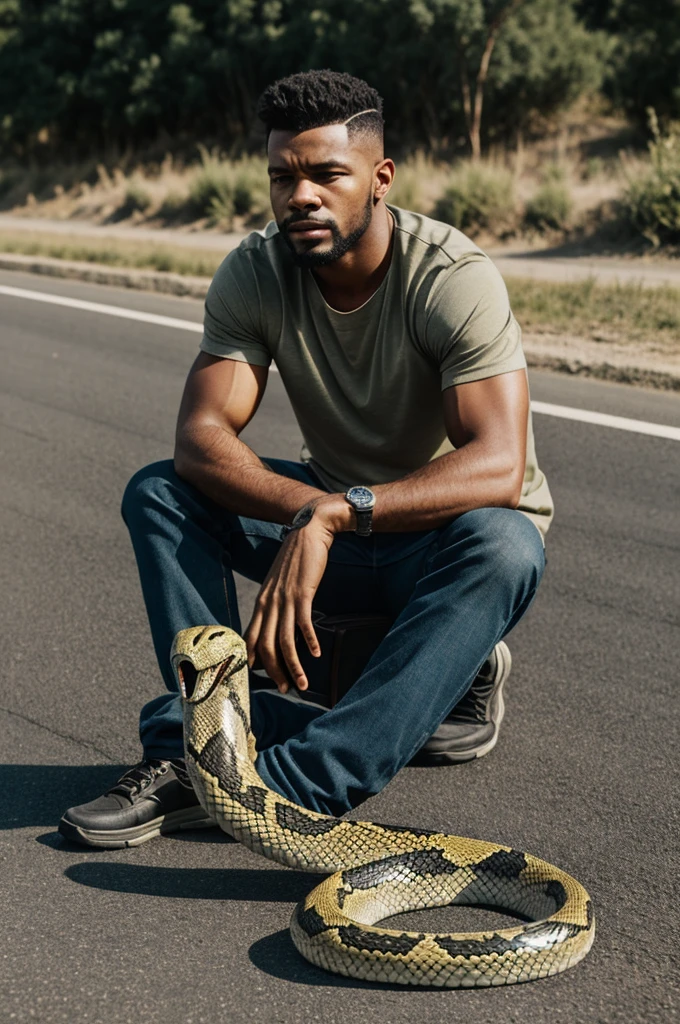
277,956
38,794
267,886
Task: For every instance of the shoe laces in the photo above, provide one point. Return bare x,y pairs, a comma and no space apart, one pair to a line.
180,768
135,779
473,706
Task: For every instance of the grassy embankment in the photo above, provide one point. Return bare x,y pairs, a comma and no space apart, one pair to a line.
553,189
551,192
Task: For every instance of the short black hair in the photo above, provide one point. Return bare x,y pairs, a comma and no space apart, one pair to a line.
313,99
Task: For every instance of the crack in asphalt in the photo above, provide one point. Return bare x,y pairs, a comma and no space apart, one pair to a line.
61,735
19,430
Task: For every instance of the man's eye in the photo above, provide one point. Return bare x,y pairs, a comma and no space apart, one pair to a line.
280,179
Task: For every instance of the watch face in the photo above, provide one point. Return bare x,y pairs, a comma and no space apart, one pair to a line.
361,498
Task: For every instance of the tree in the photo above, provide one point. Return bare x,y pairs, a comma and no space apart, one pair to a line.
645,65
514,59
492,19
102,76
544,60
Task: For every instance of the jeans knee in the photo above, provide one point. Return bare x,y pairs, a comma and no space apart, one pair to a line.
506,540
146,487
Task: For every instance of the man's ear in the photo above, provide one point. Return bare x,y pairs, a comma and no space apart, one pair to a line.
383,176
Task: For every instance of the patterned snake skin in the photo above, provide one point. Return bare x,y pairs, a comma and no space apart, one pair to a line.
379,870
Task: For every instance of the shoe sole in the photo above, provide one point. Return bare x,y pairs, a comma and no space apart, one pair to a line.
435,760
119,839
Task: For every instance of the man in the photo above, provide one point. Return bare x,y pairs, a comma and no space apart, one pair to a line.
419,495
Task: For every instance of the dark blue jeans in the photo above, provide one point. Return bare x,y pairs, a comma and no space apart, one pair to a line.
453,592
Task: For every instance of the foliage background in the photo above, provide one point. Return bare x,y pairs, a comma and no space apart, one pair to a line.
106,76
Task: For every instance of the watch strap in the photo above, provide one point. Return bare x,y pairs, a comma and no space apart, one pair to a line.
364,522
359,497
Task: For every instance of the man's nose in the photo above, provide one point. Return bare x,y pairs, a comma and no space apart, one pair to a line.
303,196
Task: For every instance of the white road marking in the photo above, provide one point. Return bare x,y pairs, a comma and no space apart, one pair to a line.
99,307
546,408
603,419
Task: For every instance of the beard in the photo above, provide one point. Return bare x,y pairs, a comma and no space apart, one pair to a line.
340,243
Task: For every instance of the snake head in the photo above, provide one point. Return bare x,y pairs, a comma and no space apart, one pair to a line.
201,658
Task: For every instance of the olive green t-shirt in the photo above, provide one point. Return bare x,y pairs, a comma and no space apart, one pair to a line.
365,386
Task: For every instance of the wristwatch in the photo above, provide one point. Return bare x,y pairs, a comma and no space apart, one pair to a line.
362,500
300,519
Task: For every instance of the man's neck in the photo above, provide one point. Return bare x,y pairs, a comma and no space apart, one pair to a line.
351,281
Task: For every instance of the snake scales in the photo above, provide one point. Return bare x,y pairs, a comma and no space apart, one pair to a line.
378,870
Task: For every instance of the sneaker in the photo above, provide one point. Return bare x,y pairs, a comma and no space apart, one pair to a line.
153,798
471,729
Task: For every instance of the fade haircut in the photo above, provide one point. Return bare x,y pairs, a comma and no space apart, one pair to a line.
314,99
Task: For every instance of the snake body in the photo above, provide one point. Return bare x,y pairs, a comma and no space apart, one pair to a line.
378,870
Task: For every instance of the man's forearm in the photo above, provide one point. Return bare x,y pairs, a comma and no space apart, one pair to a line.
471,477
224,468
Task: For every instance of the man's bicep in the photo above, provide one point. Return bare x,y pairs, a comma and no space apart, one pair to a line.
494,410
221,392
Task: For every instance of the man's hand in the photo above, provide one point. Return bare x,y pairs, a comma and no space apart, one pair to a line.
285,601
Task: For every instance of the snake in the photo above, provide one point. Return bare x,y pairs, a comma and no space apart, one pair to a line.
376,871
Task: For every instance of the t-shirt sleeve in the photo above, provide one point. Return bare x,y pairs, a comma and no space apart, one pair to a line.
470,330
231,321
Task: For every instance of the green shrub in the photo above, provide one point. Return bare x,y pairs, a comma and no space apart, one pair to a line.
549,209
175,206
222,190
651,202
221,210
135,200
479,197
251,190
417,183
210,191
137,197
595,168
553,173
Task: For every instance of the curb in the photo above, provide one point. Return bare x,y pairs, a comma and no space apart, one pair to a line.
196,288
96,273
633,375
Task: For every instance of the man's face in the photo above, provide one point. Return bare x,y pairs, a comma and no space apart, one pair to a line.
321,187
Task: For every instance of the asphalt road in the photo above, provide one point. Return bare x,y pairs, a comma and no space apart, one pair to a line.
193,929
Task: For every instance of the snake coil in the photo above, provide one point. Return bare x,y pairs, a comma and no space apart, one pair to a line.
378,870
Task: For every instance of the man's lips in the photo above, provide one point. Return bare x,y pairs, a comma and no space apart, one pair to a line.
308,229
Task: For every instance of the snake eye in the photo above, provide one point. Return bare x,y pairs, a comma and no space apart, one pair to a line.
187,677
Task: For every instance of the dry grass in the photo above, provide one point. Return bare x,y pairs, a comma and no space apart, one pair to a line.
113,252
604,313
